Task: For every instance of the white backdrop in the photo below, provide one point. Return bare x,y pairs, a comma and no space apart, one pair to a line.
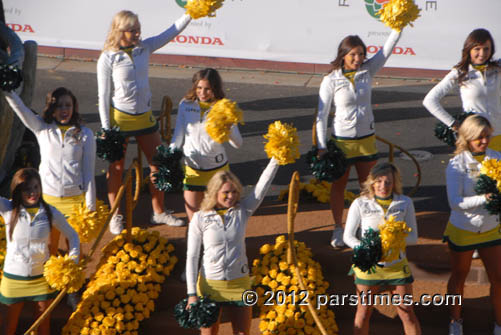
305,31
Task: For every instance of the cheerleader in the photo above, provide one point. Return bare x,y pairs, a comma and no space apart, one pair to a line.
349,86
29,220
204,157
380,198
478,78
125,100
68,152
470,225
220,227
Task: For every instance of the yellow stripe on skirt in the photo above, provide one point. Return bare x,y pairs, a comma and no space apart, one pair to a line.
395,274
197,180
358,149
223,290
464,240
15,289
65,204
134,125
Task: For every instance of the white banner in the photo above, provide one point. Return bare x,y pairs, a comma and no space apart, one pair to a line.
303,31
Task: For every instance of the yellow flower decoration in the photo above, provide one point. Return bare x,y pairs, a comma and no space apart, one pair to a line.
88,223
393,234
283,143
202,8
492,169
221,117
62,272
397,14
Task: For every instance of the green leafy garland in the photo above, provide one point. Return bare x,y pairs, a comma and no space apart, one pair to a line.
202,314
331,166
110,144
10,77
170,175
369,252
446,134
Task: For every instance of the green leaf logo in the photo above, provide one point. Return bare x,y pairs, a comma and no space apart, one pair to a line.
373,6
181,3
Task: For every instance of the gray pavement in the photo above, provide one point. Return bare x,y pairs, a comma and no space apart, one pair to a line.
289,97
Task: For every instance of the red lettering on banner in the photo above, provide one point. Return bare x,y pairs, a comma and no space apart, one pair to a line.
205,40
20,28
372,49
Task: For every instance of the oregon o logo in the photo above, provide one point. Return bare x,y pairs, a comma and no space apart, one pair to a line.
373,6
181,3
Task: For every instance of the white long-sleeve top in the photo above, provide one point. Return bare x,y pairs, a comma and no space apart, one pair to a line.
224,253
28,250
365,213
467,208
131,88
67,163
479,94
201,152
353,117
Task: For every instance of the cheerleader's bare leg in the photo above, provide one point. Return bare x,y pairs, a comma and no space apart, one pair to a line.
192,202
460,267
490,257
406,312
337,198
13,313
364,309
240,319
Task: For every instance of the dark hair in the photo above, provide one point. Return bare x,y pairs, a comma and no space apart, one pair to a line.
215,82
346,45
476,37
51,102
19,183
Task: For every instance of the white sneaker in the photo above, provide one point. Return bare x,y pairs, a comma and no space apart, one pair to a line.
475,255
497,329
456,327
117,224
167,219
337,238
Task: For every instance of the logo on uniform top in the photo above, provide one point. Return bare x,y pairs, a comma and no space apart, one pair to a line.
373,6
181,3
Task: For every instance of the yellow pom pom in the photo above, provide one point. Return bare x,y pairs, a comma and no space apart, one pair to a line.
88,223
397,14
283,143
62,272
393,234
201,8
221,117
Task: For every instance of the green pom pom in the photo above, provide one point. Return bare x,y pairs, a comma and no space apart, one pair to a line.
110,144
202,314
487,185
369,252
10,77
170,175
446,134
331,166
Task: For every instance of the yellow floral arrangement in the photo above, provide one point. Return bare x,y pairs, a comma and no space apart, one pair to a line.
272,273
128,280
492,169
393,234
397,14
318,189
88,223
223,114
202,8
63,272
3,244
283,143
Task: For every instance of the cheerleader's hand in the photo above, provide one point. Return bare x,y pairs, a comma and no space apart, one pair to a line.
321,153
488,196
455,126
191,300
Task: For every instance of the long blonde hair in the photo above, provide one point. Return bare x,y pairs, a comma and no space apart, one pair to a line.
215,183
122,21
470,130
379,170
